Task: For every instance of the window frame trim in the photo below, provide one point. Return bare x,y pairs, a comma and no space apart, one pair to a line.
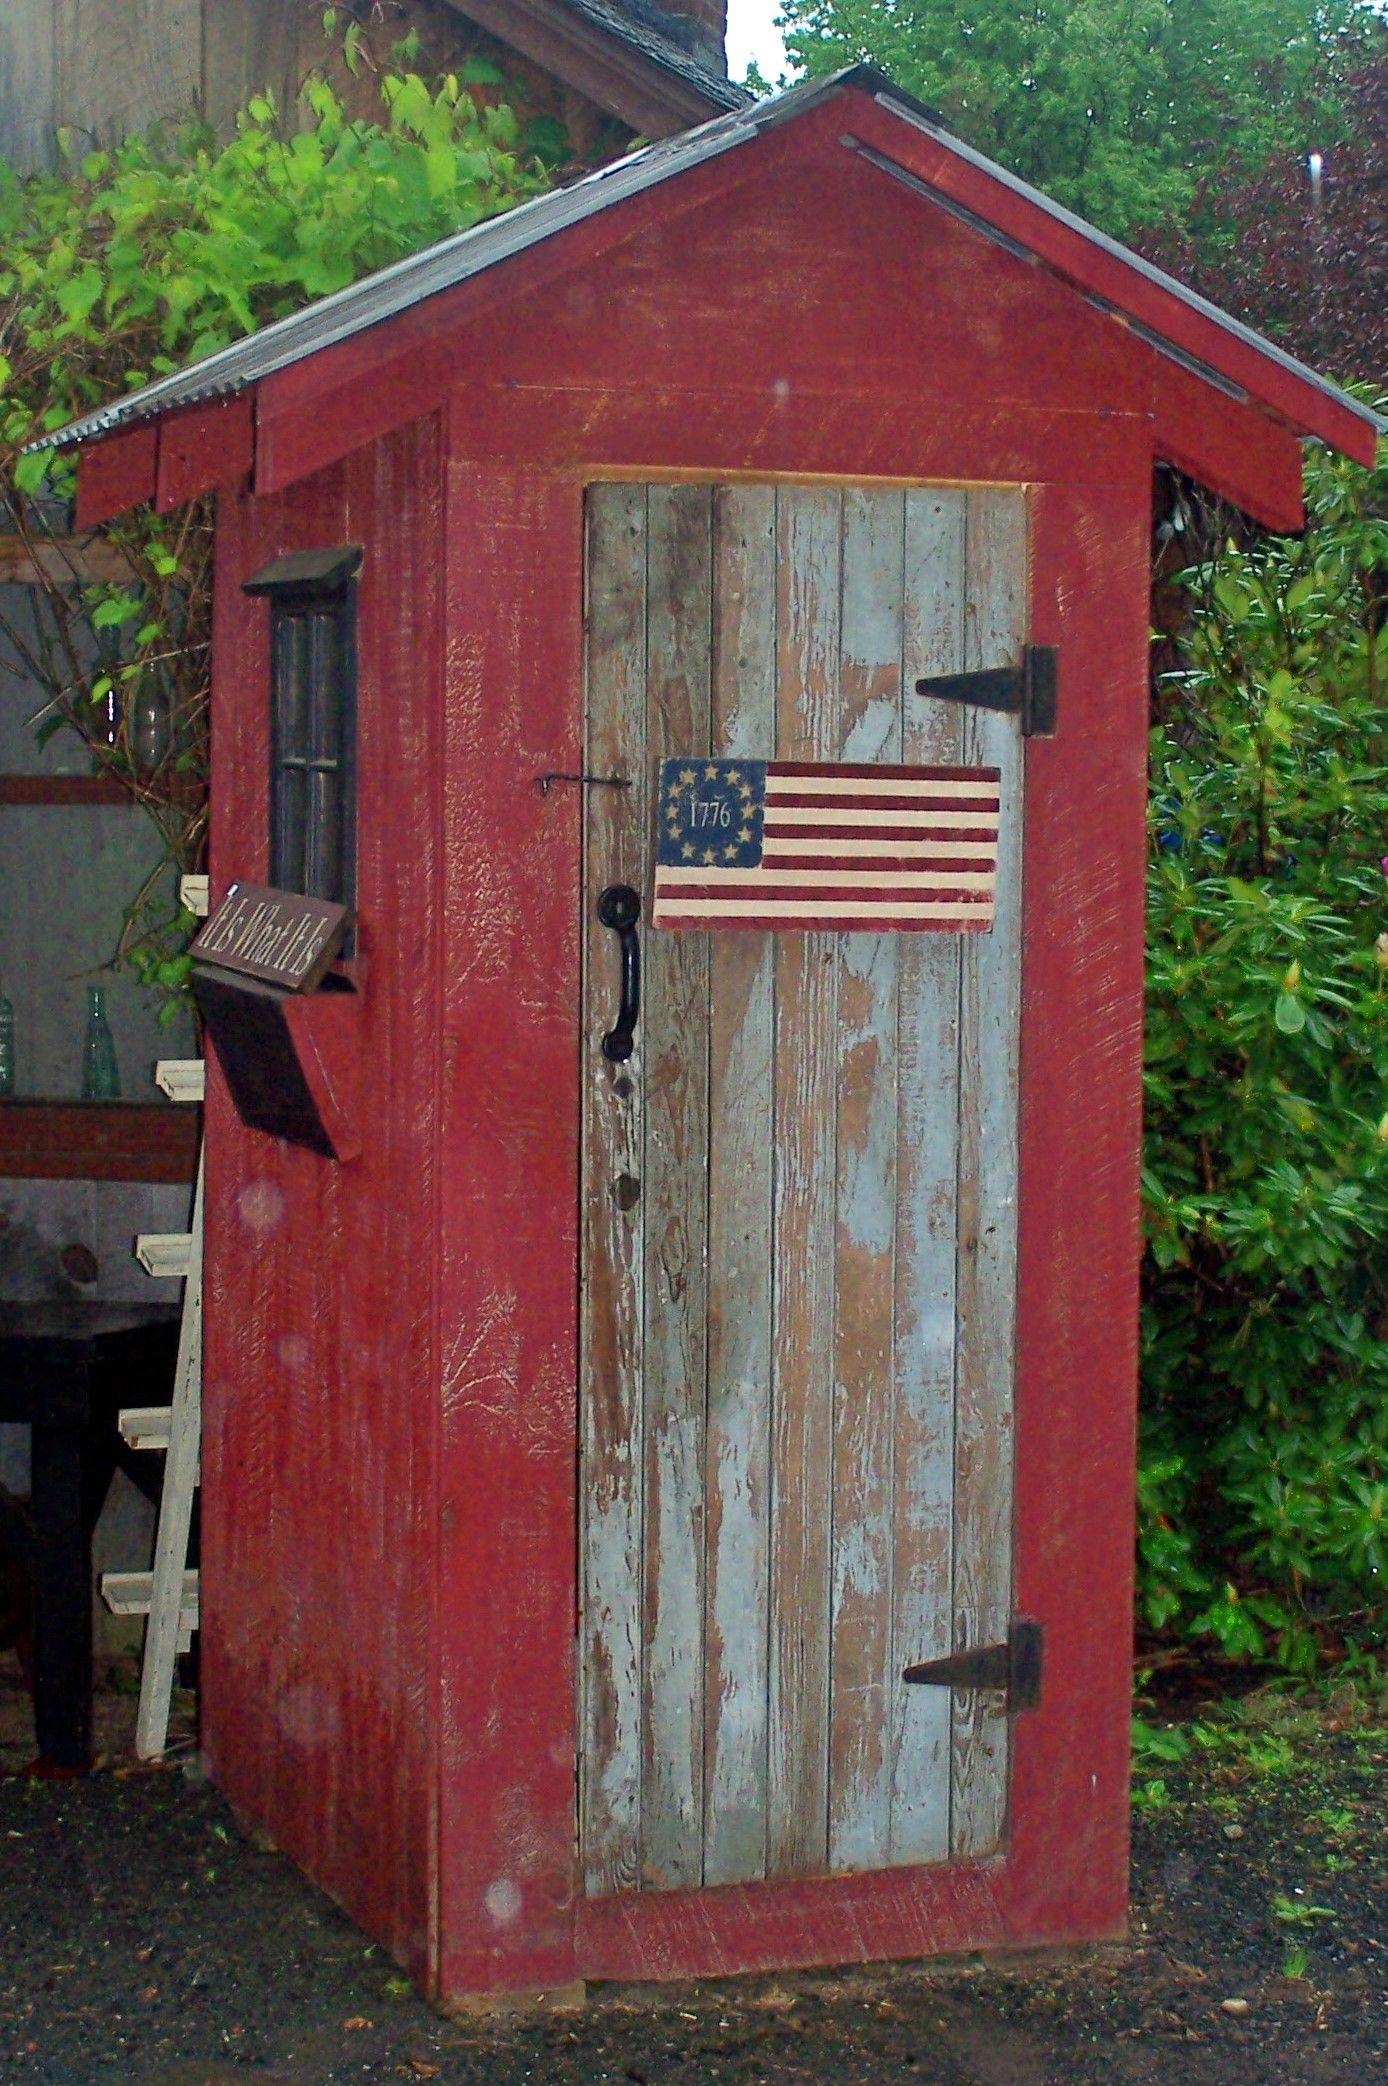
321,582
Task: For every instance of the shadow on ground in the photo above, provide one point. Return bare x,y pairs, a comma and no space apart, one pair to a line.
142,1937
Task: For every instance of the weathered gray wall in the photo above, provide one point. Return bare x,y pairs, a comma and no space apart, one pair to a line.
106,67
67,874
102,66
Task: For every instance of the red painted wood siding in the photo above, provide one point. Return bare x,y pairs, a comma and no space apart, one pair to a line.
507,1908
508,1332
391,1353
826,310
321,1361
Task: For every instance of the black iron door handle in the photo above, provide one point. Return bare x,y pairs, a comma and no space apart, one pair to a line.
620,908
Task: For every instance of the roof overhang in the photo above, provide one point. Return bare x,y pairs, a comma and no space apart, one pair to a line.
636,75
1214,356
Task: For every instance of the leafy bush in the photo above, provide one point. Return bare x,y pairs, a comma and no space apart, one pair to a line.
1114,107
1262,1490
1303,263
128,263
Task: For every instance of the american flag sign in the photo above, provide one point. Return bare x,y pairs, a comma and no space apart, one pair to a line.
870,849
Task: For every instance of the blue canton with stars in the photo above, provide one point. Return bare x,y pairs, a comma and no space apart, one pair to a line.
710,814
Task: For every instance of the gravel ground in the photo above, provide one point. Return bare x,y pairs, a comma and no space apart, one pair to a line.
142,1938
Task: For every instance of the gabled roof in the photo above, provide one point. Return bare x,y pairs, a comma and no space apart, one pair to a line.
998,205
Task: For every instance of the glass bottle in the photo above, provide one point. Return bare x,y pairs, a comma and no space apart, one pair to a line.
100,1075
6,1046
150,726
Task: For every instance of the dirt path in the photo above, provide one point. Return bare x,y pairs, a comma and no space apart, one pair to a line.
143,1939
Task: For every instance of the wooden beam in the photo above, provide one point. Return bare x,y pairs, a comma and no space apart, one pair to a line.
78,561
1234,450
605,432
640,91
507,1221
202,448
97,1141
115,474
62,789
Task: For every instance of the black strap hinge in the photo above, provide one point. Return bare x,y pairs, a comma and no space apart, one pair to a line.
1030,688
1012,1670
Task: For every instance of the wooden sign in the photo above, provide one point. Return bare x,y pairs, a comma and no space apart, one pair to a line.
275,936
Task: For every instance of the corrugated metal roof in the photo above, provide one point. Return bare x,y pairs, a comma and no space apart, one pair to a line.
453,260
654,34
469,253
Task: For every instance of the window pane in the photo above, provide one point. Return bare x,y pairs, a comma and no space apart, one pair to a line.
289,688
311,746
289,820
325,677
323,870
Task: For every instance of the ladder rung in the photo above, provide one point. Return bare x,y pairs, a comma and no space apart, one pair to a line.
181,1078
130,1593
146,1426
192,892
164,1253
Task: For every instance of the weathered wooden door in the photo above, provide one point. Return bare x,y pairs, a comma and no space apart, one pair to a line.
799,1218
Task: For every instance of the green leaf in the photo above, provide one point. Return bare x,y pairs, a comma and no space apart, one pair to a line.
30,471
76,297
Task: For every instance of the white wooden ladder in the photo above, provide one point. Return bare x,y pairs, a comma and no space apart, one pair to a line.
168,1595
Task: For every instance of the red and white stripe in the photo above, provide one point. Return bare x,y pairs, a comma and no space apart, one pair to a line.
854,847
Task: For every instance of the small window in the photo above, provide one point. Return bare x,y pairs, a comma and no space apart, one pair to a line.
313,692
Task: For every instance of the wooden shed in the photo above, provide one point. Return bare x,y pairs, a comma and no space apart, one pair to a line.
593,1440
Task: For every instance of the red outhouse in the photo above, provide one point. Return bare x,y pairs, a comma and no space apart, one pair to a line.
728,577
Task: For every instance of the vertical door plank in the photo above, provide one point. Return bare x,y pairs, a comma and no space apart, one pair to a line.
927,1228
611,1304
797,1334
990,1003
806,1069
740,1215
674,1206
865,1226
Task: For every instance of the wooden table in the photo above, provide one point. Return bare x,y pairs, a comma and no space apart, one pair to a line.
66,1368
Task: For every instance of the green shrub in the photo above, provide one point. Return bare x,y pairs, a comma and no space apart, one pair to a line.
130,262
1265,1294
